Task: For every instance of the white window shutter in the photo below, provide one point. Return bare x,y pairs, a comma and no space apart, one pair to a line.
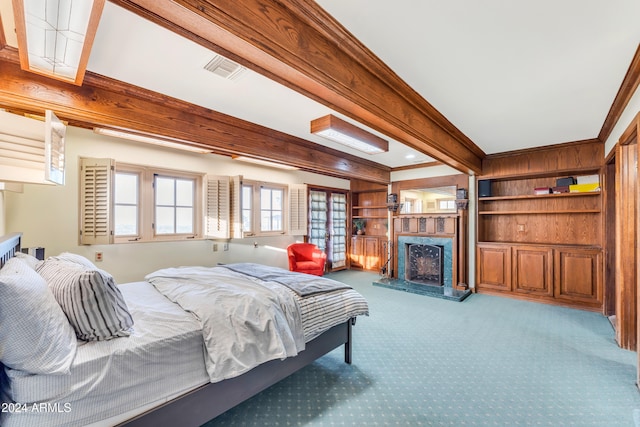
298,209
96,207
236,213
218,211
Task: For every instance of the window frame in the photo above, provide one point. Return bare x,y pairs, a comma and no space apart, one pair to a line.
147,203
256,208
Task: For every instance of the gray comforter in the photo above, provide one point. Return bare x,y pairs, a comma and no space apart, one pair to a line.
301,283
245,321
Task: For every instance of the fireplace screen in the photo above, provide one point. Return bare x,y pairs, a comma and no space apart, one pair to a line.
424,264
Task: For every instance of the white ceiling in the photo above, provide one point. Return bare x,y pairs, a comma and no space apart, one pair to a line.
510,74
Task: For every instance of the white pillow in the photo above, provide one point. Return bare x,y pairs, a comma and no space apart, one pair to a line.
90,299
31,261
35,335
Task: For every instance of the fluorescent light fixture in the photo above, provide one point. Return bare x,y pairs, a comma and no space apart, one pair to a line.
264,163
54,145
32,149
55,36
345,133
152,139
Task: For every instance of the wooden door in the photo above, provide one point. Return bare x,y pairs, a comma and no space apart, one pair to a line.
328,225
626,244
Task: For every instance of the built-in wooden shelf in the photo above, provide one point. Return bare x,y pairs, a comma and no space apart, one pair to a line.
538,212
537,196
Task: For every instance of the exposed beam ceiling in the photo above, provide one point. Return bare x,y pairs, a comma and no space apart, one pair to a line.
313,54
105,102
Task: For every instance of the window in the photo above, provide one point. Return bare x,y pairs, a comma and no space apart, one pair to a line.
126,209
262,208
271,209
174,205
126,203
247,208
447,204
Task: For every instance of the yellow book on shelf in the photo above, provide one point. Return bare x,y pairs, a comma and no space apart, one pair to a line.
584,188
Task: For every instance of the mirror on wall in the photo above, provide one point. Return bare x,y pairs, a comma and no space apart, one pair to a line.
428,200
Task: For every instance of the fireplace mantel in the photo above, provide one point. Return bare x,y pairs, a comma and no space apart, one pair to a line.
450,227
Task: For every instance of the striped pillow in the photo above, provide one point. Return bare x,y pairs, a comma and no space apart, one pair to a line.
90,299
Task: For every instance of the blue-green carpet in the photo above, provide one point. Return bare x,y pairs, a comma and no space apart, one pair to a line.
486,361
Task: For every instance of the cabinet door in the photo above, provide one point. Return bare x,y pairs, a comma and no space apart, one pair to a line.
357,252
577,275
493,267
532,270
372,253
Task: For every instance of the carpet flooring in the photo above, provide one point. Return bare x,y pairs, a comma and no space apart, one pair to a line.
485,361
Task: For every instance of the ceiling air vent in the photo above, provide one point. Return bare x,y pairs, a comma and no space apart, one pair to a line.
224,67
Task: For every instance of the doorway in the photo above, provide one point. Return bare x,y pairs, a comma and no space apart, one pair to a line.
328,225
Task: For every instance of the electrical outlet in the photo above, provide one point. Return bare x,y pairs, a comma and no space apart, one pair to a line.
520,228
98,257
225,247
215,247
255,244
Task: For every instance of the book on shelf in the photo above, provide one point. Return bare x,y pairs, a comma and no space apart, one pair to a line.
588,179
541,190
584,188
560,189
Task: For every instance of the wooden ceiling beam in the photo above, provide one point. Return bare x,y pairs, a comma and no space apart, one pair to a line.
297,43
103,102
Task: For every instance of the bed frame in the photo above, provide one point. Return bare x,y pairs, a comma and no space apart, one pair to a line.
207,402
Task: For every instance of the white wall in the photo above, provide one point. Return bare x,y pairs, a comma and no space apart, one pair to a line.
632,109
48,215
428,172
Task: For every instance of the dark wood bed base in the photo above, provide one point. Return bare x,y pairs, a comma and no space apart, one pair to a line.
207,402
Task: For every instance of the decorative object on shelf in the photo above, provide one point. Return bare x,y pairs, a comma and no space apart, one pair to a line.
359,224
484,188
462,204
562,182
392,203
462,201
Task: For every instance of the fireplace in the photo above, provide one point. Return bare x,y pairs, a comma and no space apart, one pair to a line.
429,257
424,264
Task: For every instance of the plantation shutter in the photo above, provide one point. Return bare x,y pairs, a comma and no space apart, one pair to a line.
298,209
96,208
236,212
218,212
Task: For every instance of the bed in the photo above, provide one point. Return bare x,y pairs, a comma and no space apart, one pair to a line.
166,364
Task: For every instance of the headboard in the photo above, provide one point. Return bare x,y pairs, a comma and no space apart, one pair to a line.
9,245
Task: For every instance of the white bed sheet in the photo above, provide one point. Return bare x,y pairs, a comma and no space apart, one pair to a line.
162,358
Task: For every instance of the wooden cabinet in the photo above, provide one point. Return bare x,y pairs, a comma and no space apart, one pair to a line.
367,252
545,247
566,275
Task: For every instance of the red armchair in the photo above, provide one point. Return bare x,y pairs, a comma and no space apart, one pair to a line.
306,258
